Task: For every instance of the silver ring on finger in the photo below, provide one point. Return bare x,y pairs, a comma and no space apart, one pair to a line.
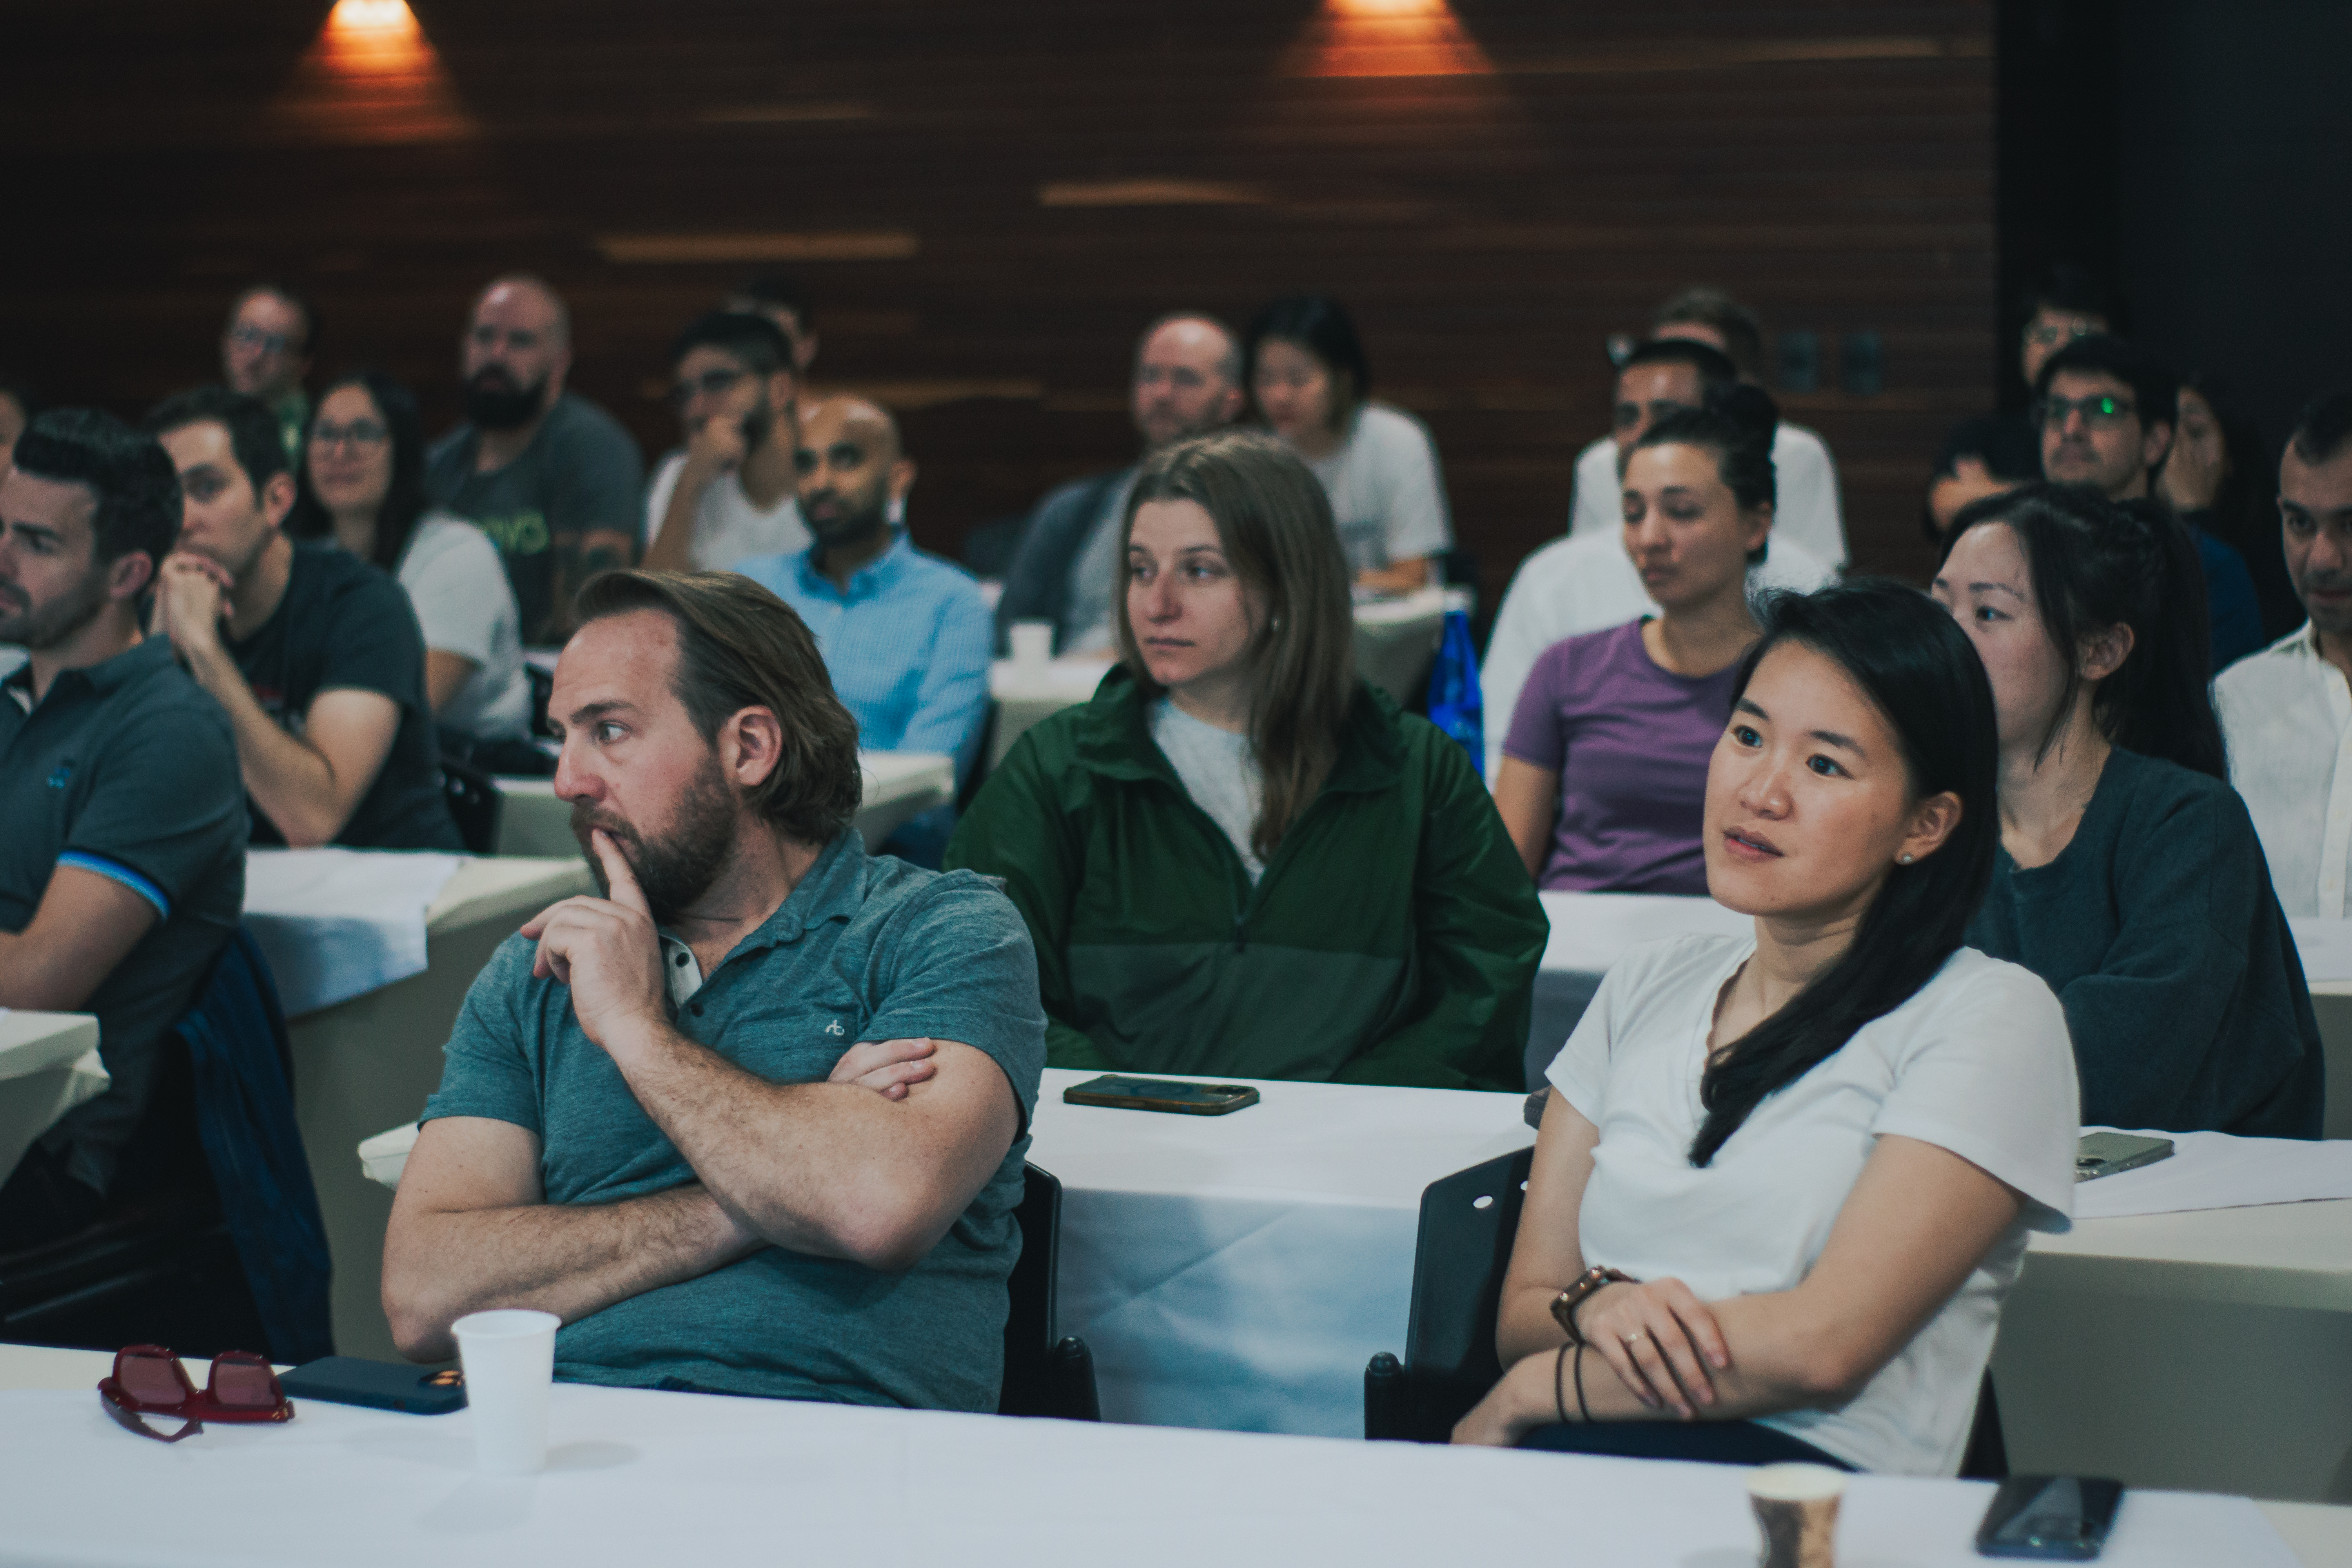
1635,1338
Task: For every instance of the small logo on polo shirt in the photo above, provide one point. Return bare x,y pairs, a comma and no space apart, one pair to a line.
61,775
835,1030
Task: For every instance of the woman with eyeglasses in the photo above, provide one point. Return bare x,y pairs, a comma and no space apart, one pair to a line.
2128,875
363,486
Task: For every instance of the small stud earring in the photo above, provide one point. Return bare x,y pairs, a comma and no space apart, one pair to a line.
1906,859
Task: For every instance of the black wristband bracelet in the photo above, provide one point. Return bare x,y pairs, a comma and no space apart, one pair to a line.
1558,1399
1583,1414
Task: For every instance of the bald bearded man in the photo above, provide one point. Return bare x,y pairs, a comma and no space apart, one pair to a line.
1187,382
905,634
552,478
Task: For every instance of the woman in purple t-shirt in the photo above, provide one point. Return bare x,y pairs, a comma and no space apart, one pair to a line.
1605,766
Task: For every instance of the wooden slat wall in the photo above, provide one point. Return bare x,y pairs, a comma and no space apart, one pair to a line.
950,165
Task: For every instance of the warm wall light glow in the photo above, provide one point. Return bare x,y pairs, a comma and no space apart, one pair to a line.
372,16
1389,37
372,77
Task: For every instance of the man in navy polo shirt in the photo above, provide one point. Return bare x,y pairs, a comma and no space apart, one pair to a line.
122,863
753,1122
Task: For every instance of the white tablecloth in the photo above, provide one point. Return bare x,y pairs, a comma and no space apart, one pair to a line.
48,1064
1239,1270
637,1478
2215,1171
339,924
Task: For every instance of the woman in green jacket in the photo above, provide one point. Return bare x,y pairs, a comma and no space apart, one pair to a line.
1238,859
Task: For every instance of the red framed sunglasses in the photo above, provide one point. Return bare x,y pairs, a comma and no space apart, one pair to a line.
150,1381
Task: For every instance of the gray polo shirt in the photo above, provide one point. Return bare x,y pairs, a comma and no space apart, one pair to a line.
127,769
864,948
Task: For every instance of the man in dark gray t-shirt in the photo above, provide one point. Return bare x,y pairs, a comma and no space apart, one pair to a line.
753,1122
122,865
552,478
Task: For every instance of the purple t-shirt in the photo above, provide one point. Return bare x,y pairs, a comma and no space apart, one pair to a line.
1630,743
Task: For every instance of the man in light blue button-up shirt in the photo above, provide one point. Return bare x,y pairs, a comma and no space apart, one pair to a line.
906,636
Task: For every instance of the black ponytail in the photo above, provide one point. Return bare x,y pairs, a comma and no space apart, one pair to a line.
1918,668
2098,564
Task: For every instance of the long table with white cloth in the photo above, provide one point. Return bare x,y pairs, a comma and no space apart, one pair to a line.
1240,1270
371,969
636,1477
897,785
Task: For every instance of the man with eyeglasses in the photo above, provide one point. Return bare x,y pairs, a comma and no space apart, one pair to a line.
2287,711
730,494
265,349
1994,452
2106,412
552,478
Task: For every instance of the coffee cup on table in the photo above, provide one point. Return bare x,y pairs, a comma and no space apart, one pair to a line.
1032,643
1797,1508
509,1361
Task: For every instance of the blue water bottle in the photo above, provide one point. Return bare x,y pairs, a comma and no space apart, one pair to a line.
1455,704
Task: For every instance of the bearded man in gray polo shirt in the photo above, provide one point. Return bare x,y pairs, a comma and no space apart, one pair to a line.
122,857
753,1122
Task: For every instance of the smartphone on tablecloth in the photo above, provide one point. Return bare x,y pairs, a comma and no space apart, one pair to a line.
378,1384
2105,1153
2064,1518
1160,1094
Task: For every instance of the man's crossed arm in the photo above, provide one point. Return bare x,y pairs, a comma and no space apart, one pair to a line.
873,1165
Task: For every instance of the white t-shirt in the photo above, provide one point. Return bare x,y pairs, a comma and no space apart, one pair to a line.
1218,771
1385,492
463,602
1806,511
1571,586
727,527
1977,1062
2287,715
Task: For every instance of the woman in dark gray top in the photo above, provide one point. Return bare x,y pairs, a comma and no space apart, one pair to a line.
2129,877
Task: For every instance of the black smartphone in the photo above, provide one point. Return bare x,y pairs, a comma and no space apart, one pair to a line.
378,1384
1160,1094
2062,1517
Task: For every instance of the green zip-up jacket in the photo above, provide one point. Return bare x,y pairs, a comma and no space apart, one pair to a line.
1393,939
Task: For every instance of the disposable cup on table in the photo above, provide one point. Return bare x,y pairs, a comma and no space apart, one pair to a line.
1797,1510
510,1361
1032,643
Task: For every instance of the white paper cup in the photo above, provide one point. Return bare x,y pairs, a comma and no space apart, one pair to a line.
1797,1509
1032,643
510,1361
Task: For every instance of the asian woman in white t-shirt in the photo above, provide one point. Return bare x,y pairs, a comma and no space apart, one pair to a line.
1784,1181
1377,464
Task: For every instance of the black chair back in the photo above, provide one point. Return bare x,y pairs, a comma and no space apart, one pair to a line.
1468,1222
474,805
1043,1376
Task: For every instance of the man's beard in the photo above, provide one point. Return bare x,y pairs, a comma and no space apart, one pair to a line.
850,527
46,627
493,401
676,869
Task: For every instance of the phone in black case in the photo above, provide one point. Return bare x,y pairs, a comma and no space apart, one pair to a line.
378,1384
2062,1517
1160,1094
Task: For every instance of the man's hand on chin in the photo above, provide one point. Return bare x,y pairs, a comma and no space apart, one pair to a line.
607,951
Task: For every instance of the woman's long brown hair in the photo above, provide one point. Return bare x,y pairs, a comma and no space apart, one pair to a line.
1275,525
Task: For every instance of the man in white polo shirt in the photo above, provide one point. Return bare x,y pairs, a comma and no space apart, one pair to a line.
2287,711
730,492
1808,514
